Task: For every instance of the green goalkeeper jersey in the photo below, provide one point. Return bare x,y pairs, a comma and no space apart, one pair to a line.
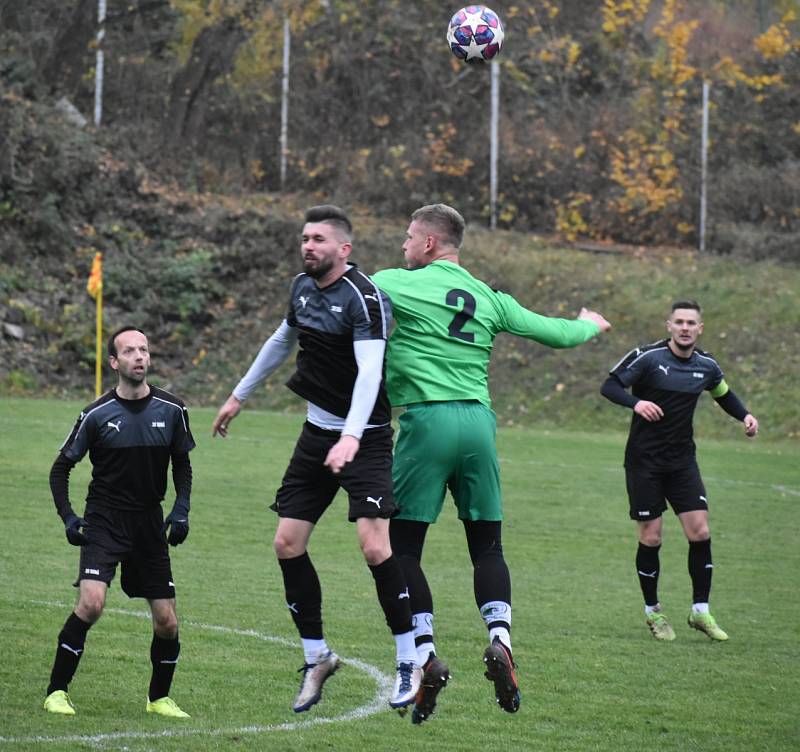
445,324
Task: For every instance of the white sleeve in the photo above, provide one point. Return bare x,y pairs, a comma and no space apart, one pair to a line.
369,358
274,351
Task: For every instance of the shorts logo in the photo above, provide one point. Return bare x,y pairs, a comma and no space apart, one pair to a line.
704,500
293,608
404,595
376,502
91,571
644,513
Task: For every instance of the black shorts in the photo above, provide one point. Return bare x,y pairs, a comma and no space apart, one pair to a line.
134,540
649,490
308,487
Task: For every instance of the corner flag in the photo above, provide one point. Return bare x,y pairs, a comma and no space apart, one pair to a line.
95,284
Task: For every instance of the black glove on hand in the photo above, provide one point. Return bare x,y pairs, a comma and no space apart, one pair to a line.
72,527
178,523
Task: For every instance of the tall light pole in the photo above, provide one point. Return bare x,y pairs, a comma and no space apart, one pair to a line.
703,168
99,62
287,38
493,149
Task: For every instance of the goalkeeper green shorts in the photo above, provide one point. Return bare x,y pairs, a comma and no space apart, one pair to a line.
447,445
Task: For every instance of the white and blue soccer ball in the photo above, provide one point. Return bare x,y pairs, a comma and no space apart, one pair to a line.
475,34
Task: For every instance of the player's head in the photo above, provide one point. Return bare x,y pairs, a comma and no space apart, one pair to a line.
333,216
435,231
687,305
444,220
326,241
129,354
685,324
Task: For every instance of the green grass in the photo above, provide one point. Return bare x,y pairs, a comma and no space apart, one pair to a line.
592,677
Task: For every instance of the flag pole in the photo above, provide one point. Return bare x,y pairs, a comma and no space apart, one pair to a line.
98,350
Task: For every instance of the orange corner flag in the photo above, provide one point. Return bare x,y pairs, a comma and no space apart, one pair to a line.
95,283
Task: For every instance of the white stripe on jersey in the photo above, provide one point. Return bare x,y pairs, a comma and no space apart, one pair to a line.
363,302
83,422
177,407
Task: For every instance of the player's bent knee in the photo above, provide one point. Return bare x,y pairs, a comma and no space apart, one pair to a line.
90,609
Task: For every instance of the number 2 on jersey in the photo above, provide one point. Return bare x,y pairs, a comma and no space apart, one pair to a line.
466,313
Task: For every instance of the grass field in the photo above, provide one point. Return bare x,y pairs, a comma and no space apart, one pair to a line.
592,677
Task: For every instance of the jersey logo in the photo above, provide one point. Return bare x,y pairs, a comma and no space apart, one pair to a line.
697,375
115,426
371,297
303,300
336,309
665,369
158,424
376,502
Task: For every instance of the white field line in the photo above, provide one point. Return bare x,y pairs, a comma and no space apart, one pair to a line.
377,704
777,487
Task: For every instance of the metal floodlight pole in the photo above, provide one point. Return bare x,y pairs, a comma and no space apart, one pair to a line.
99,62
703,168
495,109
287,37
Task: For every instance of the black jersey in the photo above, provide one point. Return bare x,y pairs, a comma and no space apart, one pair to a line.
675,384
130,444
328,321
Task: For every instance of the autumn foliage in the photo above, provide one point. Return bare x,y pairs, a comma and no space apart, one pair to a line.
600,112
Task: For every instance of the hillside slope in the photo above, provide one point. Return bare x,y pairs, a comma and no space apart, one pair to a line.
207,276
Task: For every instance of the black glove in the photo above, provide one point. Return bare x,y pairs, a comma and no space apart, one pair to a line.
178,523
72,527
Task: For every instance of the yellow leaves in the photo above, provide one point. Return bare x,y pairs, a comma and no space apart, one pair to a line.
620,15
775,43
647,174
569,220
796,128
380,121
442,160
573,53
257,171
579,151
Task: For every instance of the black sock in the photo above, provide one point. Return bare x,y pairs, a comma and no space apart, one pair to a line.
700,569
71,640
164,657
647,566
393,594
303,595
407,538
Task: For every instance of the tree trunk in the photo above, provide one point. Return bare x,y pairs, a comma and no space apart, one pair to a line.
213,55
67,61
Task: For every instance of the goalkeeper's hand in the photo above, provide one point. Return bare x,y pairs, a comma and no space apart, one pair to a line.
178,523
72,527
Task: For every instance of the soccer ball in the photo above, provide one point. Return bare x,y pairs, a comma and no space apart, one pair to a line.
475,34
